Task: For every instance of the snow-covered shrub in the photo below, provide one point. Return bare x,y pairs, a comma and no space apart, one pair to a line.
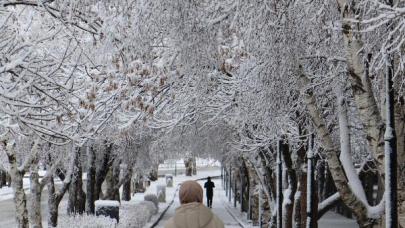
107,208
152,198
149,206
161,193
136,214
86,221
169,180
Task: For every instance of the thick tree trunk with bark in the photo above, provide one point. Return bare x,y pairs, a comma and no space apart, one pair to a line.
400,133
126,187
112,182
20,200
361,86
279,186
3,178
153,174
254,193
52,204
77,198
55,197
35,198
194,166
301,194
101,171
91,180
268,215
331,153
322,183
137,184
291,189
188,163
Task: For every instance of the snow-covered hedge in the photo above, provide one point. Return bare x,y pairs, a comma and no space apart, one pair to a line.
86,221
152,198
110,208
149,206
169,180
161,193
136,214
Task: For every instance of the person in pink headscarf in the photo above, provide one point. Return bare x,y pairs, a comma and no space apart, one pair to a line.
192,213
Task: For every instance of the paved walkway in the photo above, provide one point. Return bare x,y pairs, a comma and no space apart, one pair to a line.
218,207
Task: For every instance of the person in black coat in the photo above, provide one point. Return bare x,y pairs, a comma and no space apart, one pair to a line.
209,186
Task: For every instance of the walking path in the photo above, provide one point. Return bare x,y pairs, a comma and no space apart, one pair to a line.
233,218
218,207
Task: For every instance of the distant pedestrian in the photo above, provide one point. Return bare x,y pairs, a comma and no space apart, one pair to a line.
209,186
192,213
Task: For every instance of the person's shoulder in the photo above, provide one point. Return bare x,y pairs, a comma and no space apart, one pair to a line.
170,223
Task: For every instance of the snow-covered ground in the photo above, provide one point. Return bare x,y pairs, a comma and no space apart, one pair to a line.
218,206
171,164
221,207
171,193
334,220
232,217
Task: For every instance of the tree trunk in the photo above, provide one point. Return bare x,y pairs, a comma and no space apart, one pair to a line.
54,198
334,163
20,200
112,181
3,178
400,132
188,163
81,196
71,207
254,191
102,170
35,198
279,186
361,86
126,187
52,204
300,197
116,181
297,209
292,187
230,183
91,179
312,204
8,178
77,198
321,177
138,183
194,166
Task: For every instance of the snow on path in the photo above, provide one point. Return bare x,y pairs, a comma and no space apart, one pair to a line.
218,206
334,220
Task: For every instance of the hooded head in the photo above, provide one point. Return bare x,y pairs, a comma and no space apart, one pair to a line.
209,178
190,191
